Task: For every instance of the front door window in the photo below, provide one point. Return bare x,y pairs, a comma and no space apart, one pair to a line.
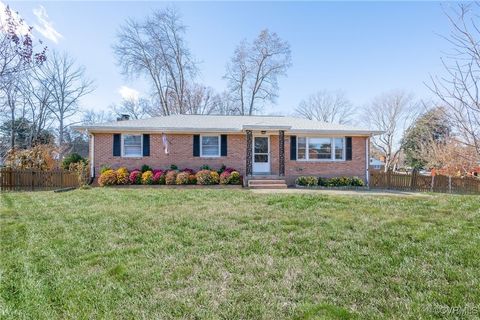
261,155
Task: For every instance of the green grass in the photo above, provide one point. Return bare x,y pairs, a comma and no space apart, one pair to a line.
233,254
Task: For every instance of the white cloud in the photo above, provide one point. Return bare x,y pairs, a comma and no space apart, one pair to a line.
128,93
22,27
45,26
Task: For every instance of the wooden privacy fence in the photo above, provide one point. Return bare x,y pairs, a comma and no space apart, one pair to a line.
33,179
417,182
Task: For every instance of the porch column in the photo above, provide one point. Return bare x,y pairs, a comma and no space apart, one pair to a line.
281,152
249,153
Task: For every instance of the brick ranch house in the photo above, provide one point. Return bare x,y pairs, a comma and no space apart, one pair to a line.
271,146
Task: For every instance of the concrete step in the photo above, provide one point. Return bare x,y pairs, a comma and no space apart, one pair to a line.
256,181
268,186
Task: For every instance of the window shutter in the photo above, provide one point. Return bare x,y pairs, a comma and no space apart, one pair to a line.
146,145
348,146
117,149
293,147
223,145
196,145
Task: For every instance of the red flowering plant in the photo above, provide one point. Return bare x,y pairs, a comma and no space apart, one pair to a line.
224,177
135,177
157,177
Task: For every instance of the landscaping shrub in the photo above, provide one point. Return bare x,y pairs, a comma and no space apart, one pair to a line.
222,169
146,168
72,158
158,177
170,177
207,177
147,177
173,167
135,177
107,178
122,176
307,181
235,178
182,178
230,177
215,177
357,182
341,182
224,177
190,171
205,167
104,168
192,179
81,169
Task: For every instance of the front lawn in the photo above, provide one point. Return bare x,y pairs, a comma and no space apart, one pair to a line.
152,253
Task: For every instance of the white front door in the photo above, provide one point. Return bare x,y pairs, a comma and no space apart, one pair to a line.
261,155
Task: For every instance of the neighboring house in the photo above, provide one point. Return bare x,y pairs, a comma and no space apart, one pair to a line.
376,164
255,145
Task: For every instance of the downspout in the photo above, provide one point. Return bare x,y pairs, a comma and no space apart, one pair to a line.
92,159
367,161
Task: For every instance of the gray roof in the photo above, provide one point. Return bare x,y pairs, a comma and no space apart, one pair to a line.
218,123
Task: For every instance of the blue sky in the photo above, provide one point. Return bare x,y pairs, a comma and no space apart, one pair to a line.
362,48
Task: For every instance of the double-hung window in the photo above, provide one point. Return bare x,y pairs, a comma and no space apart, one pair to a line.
210,146
317,149
132,145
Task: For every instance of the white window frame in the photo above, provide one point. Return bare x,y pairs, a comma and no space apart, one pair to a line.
219,146
141,145
332,152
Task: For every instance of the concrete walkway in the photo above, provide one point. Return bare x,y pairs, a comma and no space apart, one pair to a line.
342,192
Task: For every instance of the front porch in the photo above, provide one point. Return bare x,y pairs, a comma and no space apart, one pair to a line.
265,153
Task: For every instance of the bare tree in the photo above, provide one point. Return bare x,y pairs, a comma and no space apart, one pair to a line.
16,46
38,98
91,117
392,113
134,108
67,84
254,69
326,106
12,106
156,48
459,88
201,99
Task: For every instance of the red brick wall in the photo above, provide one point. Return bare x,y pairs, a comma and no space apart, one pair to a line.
355,167
181,154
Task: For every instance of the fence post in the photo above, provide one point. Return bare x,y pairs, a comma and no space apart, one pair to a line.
432,184
61,178
389,178
412,180
449,184
10,178
33,180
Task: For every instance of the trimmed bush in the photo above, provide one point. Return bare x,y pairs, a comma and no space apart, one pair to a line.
182,178
306,181
341,182
235,178
135,177
192,179
146,168
158,177
104,168
170,177
205,167
207,177
147,177
173,167
107,178
190,171
72,158
225,177
122,176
